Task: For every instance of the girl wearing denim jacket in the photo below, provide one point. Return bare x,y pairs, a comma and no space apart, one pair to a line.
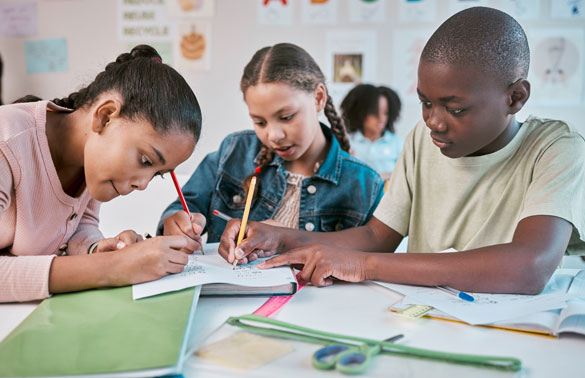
305,177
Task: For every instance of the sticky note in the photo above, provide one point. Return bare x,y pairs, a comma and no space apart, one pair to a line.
46,55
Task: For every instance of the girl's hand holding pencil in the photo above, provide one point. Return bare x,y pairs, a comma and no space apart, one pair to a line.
262,240
189,225
148,260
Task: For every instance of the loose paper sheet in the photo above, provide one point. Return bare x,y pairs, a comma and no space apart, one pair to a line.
212,268
490,308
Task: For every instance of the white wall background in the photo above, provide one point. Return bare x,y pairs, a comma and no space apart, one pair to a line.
90,27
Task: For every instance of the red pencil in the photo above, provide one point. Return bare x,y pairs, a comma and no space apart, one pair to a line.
180,193
182,197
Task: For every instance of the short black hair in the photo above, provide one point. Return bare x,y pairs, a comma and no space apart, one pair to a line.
362,101
485,38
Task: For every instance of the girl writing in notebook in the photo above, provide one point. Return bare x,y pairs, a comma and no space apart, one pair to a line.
305,177
59,159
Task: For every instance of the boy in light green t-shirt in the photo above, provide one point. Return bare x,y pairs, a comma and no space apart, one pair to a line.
509,196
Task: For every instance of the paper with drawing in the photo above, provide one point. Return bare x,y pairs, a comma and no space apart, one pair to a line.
490,308
213,268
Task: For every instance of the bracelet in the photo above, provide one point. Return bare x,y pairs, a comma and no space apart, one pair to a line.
92,248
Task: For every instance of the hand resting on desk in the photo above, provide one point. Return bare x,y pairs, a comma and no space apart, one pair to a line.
321,264
123,239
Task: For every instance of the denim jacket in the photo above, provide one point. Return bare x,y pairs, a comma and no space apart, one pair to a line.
343,193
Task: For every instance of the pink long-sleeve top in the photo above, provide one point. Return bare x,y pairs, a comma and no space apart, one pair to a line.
38,220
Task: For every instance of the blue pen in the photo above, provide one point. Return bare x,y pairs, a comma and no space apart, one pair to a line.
459,294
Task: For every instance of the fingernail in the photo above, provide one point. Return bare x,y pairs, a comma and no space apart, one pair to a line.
120,245
262,265
239,253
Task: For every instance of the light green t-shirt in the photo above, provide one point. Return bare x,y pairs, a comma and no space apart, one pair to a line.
472,202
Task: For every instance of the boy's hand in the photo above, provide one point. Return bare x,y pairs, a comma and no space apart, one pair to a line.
150,259
262,240
180,224
322,263
123,239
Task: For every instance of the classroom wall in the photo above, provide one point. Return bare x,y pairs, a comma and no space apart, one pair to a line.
91,32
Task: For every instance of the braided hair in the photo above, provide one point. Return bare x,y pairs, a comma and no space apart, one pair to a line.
289,64
150,90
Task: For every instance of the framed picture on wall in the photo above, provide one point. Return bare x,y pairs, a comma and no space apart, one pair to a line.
351,58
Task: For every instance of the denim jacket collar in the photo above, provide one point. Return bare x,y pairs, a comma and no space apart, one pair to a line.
330,170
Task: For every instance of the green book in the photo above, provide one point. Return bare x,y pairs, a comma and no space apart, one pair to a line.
102,332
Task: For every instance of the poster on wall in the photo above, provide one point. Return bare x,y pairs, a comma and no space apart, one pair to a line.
319,12
458,5
274,12
351,58
190,8
417,11
46,55
193,46
18,19
521,9
143,21
407,47
556,69
367,11
567,9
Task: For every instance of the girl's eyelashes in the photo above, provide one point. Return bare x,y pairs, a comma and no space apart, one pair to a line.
144,160
161,174
287,118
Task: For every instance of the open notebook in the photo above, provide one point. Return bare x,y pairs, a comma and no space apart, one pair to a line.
102,333
220,279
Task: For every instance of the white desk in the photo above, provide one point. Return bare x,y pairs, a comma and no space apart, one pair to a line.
343,308
361,309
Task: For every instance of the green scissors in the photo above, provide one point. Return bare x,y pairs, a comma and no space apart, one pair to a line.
347,359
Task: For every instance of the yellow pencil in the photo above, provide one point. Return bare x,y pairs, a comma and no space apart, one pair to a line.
245,217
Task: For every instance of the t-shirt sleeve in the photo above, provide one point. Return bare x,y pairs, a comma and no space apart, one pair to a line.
395,207
87,232
558,187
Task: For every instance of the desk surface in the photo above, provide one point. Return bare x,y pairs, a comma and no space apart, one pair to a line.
362,309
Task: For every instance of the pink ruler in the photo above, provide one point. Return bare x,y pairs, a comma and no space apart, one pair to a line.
275,304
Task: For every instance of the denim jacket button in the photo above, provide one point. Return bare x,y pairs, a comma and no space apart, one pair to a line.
311,189
237,198
309,226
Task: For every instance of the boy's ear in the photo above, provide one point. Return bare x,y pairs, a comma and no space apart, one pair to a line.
519,92
103,112
320,96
